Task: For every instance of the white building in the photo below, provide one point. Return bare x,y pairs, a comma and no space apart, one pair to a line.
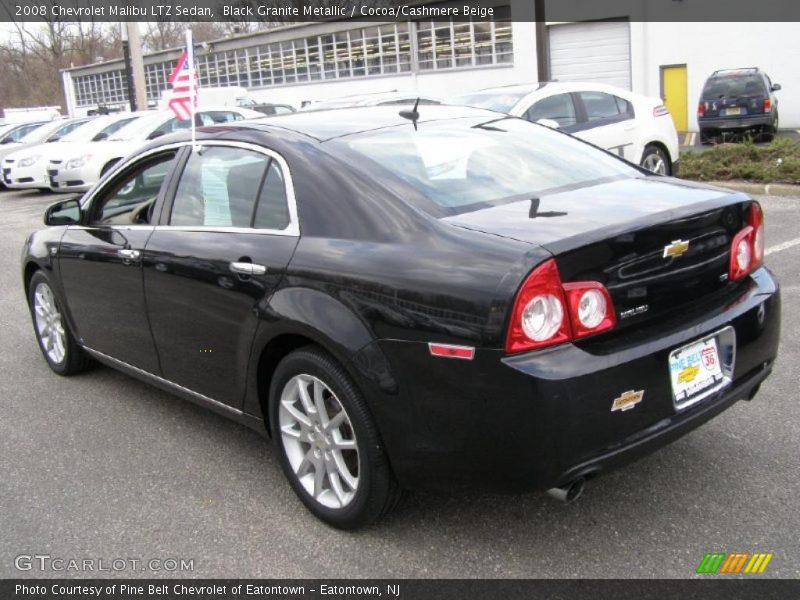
315,61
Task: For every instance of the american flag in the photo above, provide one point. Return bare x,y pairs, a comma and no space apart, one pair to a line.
184,88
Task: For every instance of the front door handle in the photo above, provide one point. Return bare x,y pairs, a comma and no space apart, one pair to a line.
128,254
246,268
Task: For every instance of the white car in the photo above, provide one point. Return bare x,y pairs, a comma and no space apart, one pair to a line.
79,168
637,128
27,168
47,132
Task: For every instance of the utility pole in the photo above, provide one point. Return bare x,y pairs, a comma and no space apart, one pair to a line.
542,41
134,67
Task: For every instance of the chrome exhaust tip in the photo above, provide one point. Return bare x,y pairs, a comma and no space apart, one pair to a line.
570,492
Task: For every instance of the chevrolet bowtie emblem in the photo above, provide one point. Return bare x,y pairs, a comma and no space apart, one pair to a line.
675,249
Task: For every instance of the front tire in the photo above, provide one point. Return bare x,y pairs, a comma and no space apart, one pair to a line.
328,445
655,160
59,348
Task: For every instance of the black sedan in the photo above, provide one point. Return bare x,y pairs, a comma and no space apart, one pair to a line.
443,299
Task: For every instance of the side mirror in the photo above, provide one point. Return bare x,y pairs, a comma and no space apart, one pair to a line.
549,123
65,212
52,138
156,134
775,87
100,137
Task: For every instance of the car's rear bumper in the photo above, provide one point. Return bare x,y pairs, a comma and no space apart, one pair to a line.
543,418
732,123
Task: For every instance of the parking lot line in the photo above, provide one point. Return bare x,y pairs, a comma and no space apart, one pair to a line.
686,139
783,246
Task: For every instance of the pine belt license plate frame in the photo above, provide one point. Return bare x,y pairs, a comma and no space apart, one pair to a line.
712,357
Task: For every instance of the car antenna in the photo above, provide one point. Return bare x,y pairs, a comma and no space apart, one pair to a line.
412,115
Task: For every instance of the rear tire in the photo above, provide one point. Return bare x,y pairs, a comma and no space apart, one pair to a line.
655,160
705,138
328,445
59,348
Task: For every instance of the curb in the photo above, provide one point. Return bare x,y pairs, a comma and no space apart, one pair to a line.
768,189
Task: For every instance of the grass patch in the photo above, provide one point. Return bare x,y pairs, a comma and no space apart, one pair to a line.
776,162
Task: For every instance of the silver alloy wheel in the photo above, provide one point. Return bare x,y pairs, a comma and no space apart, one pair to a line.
48,323
319,441
653,162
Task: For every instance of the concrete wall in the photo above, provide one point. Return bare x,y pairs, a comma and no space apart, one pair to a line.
706,47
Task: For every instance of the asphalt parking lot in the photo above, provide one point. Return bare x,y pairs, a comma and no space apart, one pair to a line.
102,466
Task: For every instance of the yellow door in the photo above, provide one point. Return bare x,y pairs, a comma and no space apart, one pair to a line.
673,82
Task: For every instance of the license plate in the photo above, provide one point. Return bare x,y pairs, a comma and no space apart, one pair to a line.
695,370
732,112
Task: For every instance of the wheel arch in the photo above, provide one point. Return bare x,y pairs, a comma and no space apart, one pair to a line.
661,146
304,317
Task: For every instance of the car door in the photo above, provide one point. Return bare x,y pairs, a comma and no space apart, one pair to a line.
559,108
101,267
608,121
222,246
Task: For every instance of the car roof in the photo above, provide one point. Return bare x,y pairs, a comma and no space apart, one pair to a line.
324,125
550,86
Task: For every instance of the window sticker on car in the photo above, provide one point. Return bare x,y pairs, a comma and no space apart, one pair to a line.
215,196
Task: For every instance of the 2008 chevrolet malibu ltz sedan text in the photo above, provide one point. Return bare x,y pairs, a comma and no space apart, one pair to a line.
405,299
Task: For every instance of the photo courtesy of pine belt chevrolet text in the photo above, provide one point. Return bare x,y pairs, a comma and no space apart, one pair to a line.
412,297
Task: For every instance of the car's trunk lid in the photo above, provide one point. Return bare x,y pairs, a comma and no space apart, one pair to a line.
655,243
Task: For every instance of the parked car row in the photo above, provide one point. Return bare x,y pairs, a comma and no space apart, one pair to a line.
71,155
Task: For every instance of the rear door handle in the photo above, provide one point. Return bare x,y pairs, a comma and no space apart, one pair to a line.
246,268
129,254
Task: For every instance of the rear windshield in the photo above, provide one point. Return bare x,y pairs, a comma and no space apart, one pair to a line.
733,86
462,165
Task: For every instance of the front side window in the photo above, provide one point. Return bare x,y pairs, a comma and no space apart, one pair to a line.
559,108
20,132
129,200
231,187
62,131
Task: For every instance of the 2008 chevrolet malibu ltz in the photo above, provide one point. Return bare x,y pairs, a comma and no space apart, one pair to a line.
425,298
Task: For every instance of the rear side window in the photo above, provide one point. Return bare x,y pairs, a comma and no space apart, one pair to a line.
734,86
213,117
231,187
600,106
559,108
272,211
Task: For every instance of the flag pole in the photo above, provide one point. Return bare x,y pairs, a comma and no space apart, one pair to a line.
192,88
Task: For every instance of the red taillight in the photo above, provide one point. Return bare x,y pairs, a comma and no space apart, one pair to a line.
767,105
539,317
701,110
747,247
547,312
590,308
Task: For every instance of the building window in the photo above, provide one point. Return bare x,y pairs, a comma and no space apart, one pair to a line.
450,45
363,52
109,88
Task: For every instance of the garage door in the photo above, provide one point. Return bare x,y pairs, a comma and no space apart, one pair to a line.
598,51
